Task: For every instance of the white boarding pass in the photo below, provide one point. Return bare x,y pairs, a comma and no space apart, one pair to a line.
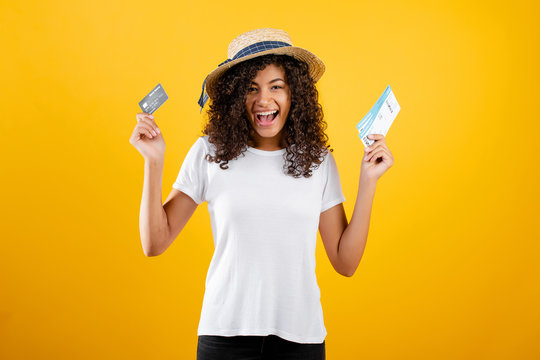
379,119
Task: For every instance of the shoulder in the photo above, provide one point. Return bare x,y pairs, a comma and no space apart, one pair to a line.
202,141
329,163
328,157
203,144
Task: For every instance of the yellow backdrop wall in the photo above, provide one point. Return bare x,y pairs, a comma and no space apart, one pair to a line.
450,269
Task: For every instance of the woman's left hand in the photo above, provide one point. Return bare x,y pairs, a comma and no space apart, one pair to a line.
377,158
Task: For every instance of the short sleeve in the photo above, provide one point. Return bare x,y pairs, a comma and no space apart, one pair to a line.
332,192
192,178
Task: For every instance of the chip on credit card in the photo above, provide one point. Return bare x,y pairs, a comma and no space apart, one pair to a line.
153,100
379,119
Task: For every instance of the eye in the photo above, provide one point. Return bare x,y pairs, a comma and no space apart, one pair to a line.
251,89
277,86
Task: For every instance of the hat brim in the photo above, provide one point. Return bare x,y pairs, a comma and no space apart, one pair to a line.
316,66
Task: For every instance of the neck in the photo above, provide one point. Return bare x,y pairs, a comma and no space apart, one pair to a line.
267,144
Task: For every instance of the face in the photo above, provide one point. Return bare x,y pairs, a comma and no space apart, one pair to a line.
270,94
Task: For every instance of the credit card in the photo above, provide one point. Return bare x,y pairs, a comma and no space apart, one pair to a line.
379,119
153,100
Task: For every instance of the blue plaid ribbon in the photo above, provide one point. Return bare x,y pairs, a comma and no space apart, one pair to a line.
248,50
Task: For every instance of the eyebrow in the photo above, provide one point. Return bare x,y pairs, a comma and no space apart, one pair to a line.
278,79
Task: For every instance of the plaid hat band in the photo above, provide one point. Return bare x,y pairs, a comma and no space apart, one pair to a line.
255,43
248,50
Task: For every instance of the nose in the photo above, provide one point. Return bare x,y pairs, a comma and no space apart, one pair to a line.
263,97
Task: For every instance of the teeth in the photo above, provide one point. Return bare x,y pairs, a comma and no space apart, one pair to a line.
267,112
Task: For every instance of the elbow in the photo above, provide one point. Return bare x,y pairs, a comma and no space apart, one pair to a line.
348,272
154,245
343,270
146,247
150,251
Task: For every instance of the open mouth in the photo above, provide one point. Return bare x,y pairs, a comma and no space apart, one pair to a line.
266,119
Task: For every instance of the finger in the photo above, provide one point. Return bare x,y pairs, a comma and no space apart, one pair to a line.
146,130
378,145
145,133
375,154
376,137
373,146
141,116
150,123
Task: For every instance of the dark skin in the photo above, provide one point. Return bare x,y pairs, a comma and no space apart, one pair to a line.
345,242
269,91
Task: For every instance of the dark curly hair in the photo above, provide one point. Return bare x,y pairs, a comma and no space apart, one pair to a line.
229,129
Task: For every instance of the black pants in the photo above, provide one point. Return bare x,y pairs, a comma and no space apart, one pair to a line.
244,347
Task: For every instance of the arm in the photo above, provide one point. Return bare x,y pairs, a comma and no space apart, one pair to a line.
160,224
345,243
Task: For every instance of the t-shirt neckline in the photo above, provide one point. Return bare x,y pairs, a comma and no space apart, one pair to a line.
265,152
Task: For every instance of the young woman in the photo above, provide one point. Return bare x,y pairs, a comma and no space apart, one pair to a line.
265,170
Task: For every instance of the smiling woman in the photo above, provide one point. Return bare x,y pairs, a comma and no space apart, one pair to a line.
239,113
267,105
270,181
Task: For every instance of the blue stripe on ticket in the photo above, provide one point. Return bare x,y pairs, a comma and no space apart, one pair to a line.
379,118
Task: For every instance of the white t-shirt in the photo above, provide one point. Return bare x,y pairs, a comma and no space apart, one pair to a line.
261,279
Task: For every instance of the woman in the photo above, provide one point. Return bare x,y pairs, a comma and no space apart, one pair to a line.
270,181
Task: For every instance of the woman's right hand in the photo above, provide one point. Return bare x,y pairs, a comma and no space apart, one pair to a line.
147,138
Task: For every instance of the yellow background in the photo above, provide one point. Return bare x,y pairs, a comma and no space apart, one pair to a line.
451,266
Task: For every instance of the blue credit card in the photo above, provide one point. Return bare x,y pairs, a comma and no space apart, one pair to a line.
153,100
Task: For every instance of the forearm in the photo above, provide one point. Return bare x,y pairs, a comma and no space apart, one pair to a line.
153,223
354,237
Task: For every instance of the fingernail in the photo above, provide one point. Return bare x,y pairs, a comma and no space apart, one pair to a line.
159,132
151,116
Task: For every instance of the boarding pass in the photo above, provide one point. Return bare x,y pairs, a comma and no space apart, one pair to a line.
379,119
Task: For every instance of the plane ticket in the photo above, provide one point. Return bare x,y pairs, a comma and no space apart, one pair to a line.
379,119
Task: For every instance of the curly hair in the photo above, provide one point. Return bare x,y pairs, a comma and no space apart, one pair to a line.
229,129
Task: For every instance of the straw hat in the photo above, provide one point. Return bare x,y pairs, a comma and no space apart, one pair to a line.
255,43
